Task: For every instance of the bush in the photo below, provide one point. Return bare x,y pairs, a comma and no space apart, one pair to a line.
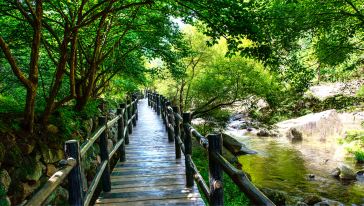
359,156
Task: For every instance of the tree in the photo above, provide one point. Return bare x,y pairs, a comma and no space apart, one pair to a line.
33,15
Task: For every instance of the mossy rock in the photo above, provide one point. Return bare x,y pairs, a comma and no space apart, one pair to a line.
2,152
5,201
13,155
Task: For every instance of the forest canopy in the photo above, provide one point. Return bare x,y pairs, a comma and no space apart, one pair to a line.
60,52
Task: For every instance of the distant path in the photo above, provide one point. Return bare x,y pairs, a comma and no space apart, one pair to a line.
151,175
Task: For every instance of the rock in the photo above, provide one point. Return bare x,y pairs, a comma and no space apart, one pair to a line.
237,117
52,129
346,172
311,176
294,135
110,145
2,152
235,147
58,197
51,155
312,199
263,133
34,172
51,169
335,172
28,189
299,203
316,126
5,181
88,125
5,201
277,197
329,203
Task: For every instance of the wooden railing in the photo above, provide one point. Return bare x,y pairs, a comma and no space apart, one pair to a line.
127,115
180,131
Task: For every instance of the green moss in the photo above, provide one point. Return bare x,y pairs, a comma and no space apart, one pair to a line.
232,194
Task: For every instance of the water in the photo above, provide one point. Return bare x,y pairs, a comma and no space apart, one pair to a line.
283,166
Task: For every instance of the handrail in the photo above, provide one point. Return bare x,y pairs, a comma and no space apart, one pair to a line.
125,119
213,144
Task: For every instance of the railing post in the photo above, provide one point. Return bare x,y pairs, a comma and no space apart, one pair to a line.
188,151
166,120
130,126
126,118
72,149
136,109
148,95
158,104
133,112
170,118
163,101
155,101
176,132
104,154
121,133
215,170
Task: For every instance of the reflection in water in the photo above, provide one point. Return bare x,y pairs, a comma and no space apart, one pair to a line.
286,167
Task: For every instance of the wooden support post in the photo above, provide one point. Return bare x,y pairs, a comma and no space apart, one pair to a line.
215,171
136,109
121,133
170,124
166,114
158,104
130,126
148,95
176,132
163,109
188,151
133,109
126,124
104,154
75,197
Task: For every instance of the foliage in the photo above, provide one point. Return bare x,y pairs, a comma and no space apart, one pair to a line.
212,80
232,194
360,92
355,144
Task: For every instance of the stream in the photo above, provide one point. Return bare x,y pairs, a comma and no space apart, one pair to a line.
299,169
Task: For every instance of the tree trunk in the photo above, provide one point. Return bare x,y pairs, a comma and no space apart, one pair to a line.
30,109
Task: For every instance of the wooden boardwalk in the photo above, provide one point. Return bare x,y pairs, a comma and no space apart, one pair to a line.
151,175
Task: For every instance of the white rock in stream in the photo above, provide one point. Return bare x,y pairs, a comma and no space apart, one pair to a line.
316,126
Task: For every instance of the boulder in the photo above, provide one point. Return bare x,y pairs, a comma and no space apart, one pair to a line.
335,172
87,125
263,133
51,155
294,135
299,203
329,203
5,181
52,129
5,201
277,197
33,172
58,197
235,147
346,173
316,126
312,199
51,169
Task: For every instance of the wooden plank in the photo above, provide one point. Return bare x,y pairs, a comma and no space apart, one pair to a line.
138,194
165,202
128,165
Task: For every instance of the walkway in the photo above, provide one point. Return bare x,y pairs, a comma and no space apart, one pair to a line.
150,175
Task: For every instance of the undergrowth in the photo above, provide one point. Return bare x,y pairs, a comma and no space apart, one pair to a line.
232,194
